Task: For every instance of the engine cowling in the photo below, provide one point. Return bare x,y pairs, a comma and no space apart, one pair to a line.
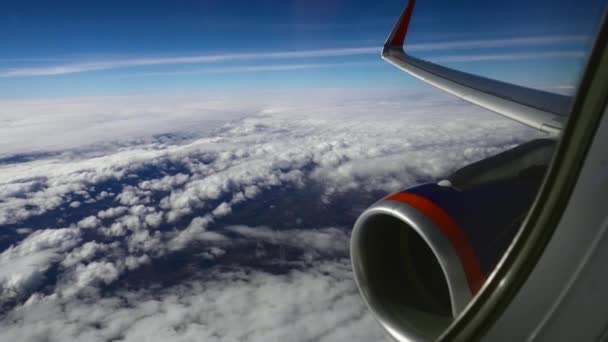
420,255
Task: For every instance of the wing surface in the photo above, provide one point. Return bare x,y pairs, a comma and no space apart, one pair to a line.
536,108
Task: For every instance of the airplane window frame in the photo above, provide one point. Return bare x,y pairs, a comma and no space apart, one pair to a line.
544,216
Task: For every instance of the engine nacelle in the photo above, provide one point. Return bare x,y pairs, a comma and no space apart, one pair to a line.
420,255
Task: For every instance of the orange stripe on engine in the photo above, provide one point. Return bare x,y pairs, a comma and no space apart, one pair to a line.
452,231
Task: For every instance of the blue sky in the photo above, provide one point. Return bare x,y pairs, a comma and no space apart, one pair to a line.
115,47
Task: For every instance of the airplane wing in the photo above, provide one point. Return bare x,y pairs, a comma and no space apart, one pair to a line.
536,108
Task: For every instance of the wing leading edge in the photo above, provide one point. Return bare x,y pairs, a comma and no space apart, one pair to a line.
536,108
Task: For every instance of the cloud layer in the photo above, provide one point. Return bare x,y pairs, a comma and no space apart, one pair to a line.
230,225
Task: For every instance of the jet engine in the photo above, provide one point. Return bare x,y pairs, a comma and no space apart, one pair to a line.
420,255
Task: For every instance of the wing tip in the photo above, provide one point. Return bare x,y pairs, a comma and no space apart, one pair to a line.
397,36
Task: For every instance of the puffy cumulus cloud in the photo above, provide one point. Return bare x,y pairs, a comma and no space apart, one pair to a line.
89,222
211,222
344,141
318,304
23,267
196,231
86,276
111,212
315,303
83,253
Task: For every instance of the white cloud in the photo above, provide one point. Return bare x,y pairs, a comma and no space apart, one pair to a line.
167,197
200,59
222,210
166,183
87,66
83,253
154,219
196,231
87,276
89,222
111,212
22,267
319,304
258,68
68,123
